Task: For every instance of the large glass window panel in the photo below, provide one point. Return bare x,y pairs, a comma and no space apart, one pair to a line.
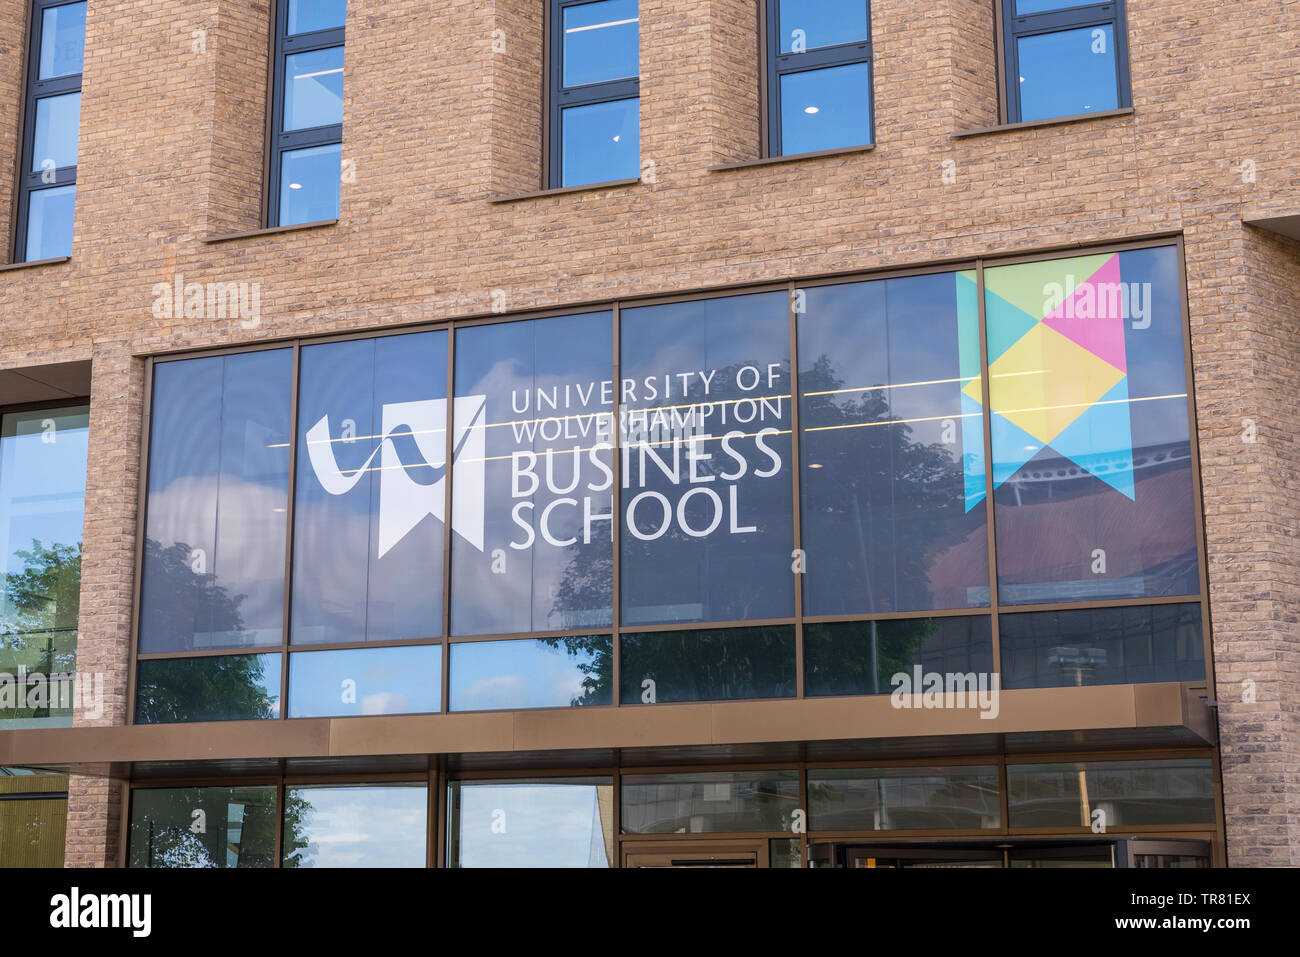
707,665
826,109
862,657
213,572
208,688
381,825
545,822
57,130
310,184
532,495
904,799
707,529
600,41
202,827
1115,793
710,802
571,671
63,40
600,142
892,442
313,90
365,681
42,504
1091,444
371,490
1067,73
307,16
1100,646
49,222
812,24
33,817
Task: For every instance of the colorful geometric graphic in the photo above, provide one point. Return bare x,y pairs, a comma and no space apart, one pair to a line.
1058,366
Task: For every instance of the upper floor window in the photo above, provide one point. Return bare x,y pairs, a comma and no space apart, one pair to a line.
51,122
819,75
1064,58
595,116
307,104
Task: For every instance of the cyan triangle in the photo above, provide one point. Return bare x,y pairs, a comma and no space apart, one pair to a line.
1101,440
1012,448
1007,324
972,443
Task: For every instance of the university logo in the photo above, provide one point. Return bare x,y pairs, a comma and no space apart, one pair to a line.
404,502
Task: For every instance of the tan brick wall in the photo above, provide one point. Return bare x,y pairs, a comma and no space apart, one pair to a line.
435,123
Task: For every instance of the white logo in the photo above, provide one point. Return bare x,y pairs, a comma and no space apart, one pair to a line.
404,502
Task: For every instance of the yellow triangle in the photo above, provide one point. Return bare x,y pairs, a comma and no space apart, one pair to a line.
1045,381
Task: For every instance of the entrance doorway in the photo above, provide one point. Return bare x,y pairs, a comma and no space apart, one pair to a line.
682,854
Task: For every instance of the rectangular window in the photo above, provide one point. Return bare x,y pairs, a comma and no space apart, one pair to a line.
819,76
542,822
42,505
710,802
1064,58
904,799
892,442
533,507
238,827
570,671
712,664
595,112
355,825
218,490
307,107
1116,793
862,657
208,688
354,681
707,454
1092,461
1134,644
51,123
371,428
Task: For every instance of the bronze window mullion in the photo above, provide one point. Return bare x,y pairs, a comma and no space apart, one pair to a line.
616,520
286,622
990,511
448,455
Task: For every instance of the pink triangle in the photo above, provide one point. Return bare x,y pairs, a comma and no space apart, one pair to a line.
1093,316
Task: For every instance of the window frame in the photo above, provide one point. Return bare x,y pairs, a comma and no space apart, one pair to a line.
35,89
1013,27
279,142
778,65
559,97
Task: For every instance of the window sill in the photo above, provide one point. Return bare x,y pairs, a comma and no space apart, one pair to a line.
270,231
9,267
1034,124
565,190
793,158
